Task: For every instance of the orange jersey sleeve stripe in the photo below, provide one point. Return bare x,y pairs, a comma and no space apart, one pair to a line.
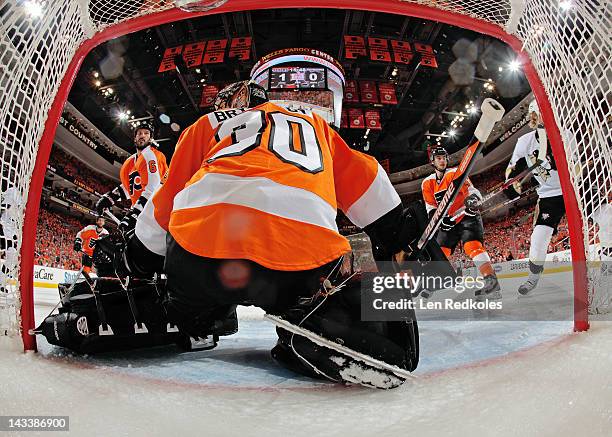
239,232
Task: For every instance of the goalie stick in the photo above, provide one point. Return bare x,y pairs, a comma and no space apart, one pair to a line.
492,112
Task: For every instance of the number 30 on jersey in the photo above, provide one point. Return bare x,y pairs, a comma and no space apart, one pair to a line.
292,139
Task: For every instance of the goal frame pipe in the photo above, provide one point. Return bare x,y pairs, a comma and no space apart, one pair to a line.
396,7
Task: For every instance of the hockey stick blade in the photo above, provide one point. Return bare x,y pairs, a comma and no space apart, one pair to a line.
492,112
321,341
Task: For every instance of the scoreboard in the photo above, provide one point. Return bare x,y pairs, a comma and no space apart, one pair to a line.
297,78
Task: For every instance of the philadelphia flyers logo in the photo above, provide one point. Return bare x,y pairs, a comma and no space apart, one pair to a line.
135,182
439,196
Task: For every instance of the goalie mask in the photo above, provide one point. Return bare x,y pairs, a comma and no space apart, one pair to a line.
238,95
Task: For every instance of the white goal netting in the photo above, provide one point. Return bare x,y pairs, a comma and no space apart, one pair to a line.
567,42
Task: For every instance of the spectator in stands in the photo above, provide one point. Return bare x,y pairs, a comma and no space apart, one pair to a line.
71,168
54,236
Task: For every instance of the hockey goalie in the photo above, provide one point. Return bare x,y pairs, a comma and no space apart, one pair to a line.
247,217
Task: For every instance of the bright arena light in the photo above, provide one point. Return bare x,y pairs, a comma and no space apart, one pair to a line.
514,65
452,133
123,115
33,8
565,5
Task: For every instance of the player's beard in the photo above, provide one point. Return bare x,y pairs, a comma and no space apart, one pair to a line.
141,144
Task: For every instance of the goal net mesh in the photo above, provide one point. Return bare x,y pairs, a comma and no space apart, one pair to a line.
568,43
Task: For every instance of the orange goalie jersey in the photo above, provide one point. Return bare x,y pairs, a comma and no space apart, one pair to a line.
264,184
142,173
434,190
89,235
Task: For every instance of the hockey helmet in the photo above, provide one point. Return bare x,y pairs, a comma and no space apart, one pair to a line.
437,151
533,107
144,125
244,94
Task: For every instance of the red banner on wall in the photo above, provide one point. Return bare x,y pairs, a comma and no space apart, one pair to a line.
387,93
209,92
367,89
354,46
402,52
428,57
379,49
167,62
344,119
350,92
215,51
378,43
240,48
192,54
372,119
380,55
355,117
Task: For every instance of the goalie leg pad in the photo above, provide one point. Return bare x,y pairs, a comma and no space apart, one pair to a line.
339,319
76,327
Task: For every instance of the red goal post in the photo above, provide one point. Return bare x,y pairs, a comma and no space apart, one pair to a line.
562,52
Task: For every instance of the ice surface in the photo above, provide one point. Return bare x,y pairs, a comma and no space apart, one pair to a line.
481,378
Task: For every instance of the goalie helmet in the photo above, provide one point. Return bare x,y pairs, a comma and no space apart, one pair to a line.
244,94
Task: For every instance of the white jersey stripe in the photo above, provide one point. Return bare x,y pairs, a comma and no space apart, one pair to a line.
261,194
379,199
149,232
153,179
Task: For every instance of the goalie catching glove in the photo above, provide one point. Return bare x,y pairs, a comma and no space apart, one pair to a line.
392,233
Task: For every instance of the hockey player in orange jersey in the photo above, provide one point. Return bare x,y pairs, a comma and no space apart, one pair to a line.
247,216
466,227
141,174
85,241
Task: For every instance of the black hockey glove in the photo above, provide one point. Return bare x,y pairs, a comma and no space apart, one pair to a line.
472,204
104,202
392,233
447,224
78,245
129,221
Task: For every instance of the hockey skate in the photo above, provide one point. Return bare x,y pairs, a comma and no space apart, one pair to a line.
491,289
531,283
